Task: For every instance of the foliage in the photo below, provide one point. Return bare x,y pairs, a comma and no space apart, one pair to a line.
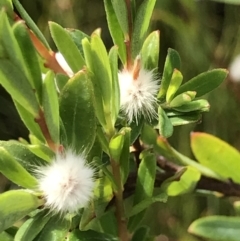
76,104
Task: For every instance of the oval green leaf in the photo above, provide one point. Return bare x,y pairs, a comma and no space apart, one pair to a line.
186,119
32,227
30,57
217,155
140,25
182,182
172,62
197,105
29,121
164,124
96,83
150,51
101,69
14,205
42,151
113,59
17,85
21,154
175,83
56,229
90,235
115,30
204,82
67,47
121,12
51,106
217,228
115,146
11,169
77,112
148,135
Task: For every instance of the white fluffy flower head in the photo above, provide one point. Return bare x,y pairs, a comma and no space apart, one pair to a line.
67,183
138,90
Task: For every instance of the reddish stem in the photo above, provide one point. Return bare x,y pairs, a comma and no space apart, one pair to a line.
43,126
46,54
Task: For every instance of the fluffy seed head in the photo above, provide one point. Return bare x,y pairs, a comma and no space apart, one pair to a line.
67,183
138,93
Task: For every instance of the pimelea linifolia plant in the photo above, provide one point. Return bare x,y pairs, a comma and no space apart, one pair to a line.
97,156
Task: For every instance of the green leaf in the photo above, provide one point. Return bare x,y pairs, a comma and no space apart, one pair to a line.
108,223
42,151
21,154
121,12
116,145
104,167
141,24
182,182
103,140
162,147
138,208
182,99
10,45
103,194
87,217
136,129
141,234
51,106
186,119
56,229
29,121
217,228
164,124
4,236
67,47
113,59
61,81
30,22
101,69
217,155
148,135
32,227
96,151
197,105
90,235
98,101
175,83
10,168
30,57
115,30
172,62
77,112
7,6
125,155
16,84
145,176
150,51
77,37
204,82
14,205
187,161
144,185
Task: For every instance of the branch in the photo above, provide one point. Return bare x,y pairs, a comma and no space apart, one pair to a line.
227,189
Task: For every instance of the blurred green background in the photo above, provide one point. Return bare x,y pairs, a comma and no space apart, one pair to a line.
207,35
